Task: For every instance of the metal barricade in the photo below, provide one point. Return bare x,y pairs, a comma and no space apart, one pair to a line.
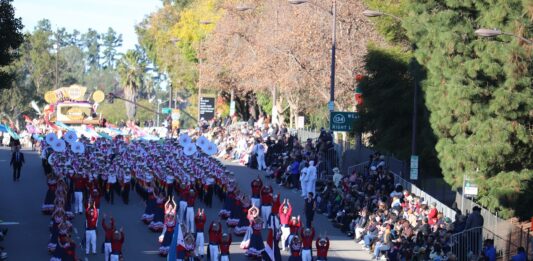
441,207
468,244
358,168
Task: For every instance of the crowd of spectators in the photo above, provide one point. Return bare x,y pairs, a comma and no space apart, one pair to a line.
388,221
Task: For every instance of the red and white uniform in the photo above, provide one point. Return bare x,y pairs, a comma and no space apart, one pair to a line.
224,249
199,221
322,250
116,248
90,232
307,244
215,237
108,231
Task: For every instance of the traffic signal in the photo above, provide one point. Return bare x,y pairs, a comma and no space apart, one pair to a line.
358,92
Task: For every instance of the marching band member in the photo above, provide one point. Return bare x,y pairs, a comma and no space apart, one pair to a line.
199,221
295,246
285,212
266,203
168,230
225,245
91,214
79,187
257,185
307,235
116,245
215,237
189,213
159,214
108,236
322,247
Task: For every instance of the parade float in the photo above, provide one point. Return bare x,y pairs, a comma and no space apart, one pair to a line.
70,105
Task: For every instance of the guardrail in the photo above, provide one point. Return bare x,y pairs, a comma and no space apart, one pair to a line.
441,207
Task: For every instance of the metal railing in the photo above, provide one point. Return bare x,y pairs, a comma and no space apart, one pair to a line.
441,207
468,244
359,168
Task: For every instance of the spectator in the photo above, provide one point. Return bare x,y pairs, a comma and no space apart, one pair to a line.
520,255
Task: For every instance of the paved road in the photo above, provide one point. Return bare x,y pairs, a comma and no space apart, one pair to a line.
21,202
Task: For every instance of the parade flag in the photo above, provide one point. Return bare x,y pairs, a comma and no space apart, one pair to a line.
3,128
63,125
35,107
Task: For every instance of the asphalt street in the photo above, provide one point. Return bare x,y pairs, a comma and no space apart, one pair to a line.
20,203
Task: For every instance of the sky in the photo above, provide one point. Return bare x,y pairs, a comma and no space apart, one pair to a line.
121,15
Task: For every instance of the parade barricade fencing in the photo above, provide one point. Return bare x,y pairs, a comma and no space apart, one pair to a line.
468,244
358,168
441,207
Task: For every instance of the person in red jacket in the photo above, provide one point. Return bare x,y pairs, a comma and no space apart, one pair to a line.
79,187
285,212
199,221
433,214
225,245
90,232
215,237
257,185
307,235
295,246
322,247
108,232
275,204
116,245
266,203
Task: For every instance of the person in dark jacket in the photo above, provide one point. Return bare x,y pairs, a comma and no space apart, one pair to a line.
17,160
474,219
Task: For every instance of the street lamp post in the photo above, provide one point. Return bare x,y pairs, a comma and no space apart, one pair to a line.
331,104
484,32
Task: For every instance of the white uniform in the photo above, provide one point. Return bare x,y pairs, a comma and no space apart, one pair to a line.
303,181
311,178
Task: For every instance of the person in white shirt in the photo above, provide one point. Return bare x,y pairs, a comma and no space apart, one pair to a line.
304,178
311,178
337,177
259,150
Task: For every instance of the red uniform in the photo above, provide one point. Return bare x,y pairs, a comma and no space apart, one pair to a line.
256,188
322,251
108,230
224,246
79,183
307,241
199,221
116,245
284,218
266,196
191,199
215,237
275,206
91,219
295,226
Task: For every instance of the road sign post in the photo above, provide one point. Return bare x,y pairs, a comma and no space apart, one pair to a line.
414,168
342,121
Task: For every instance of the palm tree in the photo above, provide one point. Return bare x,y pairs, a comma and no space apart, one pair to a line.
131,68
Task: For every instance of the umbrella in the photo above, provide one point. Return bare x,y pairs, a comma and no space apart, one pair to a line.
71,136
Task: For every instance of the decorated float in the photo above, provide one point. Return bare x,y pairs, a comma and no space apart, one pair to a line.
71,105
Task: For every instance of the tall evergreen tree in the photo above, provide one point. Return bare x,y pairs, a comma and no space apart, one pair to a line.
10,39
91,41
480,95
110,42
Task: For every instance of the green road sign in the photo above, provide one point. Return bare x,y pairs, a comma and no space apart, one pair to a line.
166,110
342,121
